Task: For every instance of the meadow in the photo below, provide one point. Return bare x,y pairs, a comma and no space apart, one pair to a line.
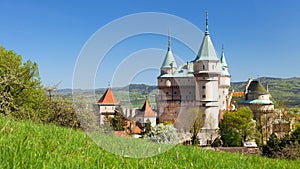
28,145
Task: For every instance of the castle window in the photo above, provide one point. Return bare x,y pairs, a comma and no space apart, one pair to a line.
203,87
167,93
175,92
203,67
203,96
203,105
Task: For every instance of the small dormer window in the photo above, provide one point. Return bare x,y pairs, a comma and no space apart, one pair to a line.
168,83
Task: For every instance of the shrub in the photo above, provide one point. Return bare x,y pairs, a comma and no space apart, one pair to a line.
164,134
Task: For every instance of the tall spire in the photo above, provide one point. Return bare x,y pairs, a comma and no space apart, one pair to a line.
169,61
169,41
222,48
207,50
206,31
223,60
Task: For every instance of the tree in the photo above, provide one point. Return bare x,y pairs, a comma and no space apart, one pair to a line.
295,136
147,127
118,121
272,147
21,94
61,112
164,134
237,127
197,119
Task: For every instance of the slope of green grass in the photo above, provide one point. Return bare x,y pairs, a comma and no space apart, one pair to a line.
29,145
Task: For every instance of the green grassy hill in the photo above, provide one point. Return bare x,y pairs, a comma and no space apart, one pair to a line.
29,145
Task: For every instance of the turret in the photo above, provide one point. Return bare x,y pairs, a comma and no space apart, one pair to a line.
224,83
169,65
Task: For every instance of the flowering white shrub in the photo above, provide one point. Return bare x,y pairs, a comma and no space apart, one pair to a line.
164,134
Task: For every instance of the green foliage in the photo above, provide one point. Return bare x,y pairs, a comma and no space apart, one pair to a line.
272,147
164,134
118,121
28,145
287,147
21,94
61,112
237,127
197,119
148,127
295,136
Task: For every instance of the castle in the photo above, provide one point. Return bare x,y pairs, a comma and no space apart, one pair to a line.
202,84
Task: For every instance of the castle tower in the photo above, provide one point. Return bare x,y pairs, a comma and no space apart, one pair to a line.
224,84
106,106
146,113
169,65
207,72
167,101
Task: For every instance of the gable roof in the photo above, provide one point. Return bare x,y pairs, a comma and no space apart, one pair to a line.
146,110
108,98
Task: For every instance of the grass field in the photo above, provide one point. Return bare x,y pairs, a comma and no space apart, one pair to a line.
29,145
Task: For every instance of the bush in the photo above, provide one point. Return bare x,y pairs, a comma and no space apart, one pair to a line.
164,134
285,148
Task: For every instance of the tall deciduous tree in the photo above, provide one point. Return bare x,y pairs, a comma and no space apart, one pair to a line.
197,120
237,127
21,94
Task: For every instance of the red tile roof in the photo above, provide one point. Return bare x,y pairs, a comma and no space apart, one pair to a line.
135,129
146,110
238,94
108,98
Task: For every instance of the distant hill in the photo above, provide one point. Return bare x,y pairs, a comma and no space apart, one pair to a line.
285,90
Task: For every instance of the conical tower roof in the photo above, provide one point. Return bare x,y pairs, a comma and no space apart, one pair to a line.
224,66
108,98
169,61
223,59
256,87
146,110
207,50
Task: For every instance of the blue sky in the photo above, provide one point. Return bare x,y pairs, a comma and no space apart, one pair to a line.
261,38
